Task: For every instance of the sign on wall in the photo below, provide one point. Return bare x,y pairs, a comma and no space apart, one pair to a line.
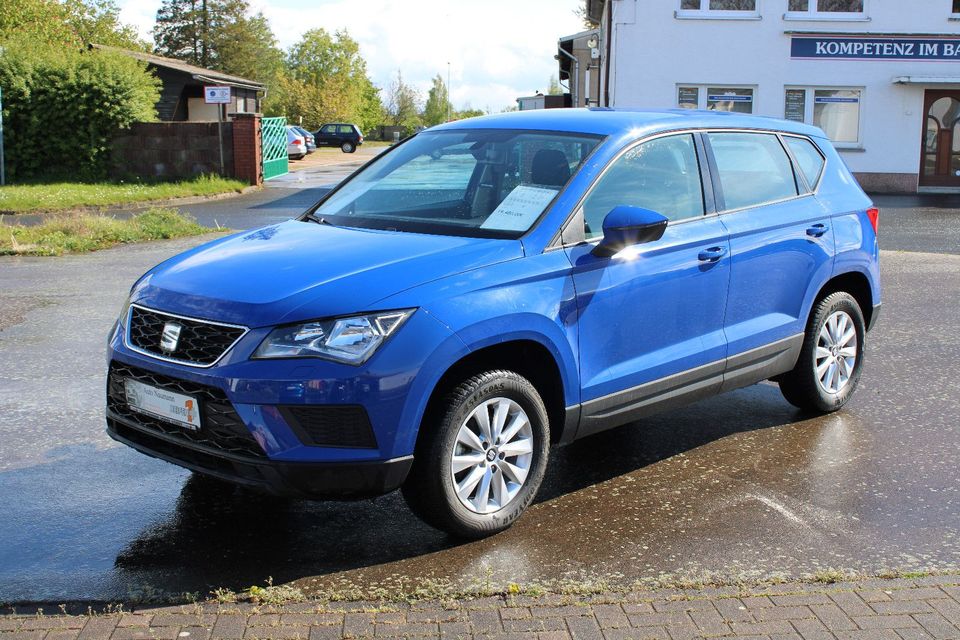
216,94
874,48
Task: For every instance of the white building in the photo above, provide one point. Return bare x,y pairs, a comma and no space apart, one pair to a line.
881,77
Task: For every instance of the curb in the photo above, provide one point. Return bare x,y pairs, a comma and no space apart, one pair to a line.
132,206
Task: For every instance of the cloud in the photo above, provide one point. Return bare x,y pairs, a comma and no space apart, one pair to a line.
497,49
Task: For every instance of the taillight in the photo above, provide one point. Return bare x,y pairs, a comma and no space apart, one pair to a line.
874,214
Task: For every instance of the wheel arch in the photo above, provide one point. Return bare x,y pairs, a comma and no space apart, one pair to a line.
527,357
857,285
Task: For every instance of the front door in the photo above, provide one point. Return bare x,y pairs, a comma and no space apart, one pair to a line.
940,161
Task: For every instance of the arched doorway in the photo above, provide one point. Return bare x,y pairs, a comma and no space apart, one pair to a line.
940,154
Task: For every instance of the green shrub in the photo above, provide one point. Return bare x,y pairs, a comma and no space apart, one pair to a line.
63,106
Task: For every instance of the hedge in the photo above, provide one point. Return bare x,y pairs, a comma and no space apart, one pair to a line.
62,108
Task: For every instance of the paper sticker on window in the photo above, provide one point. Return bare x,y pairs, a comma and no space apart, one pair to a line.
519,209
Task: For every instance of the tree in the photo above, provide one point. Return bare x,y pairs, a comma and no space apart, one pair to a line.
66,23
403,105
438,108
554,88
218,34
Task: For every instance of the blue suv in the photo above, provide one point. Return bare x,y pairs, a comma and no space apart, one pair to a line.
492,287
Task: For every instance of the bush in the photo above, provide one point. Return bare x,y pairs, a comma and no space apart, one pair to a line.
63,106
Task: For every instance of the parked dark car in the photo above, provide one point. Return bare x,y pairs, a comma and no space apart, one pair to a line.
339,134
308,137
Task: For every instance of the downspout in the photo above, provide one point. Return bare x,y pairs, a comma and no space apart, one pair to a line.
576,75
606,71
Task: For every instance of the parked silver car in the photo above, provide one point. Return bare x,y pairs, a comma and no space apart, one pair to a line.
296,144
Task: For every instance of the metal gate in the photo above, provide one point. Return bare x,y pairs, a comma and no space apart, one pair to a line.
273,143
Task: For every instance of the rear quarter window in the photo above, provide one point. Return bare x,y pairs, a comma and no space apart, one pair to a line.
754,169
808,158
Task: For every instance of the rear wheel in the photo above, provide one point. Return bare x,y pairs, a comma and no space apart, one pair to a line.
831,360
348,147
481,463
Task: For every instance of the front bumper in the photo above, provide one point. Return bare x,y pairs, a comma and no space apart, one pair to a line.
297,479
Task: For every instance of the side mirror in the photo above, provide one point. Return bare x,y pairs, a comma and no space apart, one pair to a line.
626,226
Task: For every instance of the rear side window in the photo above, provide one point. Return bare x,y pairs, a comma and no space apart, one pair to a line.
808,158
662,175
345,128
754,168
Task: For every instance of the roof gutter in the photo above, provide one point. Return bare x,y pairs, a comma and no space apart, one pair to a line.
255,87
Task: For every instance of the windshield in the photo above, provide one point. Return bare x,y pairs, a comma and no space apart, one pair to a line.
485,183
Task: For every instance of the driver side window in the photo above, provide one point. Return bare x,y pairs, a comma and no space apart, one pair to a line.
662,175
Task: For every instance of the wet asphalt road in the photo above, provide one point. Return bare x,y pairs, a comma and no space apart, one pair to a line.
739,486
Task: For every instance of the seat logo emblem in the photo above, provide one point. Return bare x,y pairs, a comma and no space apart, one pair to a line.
170,337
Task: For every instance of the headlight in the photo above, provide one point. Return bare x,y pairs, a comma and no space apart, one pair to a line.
121,320
351,340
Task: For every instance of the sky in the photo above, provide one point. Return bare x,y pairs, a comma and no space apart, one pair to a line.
498,50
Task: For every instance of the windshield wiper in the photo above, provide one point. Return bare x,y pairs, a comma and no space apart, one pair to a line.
318,219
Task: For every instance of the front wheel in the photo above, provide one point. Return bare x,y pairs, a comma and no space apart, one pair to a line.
347,147
831,360
479,466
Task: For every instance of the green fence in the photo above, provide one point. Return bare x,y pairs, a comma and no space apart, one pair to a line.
273,142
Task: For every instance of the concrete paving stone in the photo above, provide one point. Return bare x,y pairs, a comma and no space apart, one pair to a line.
229,627
809,625
867,634
559,612
873,595
516,613
98,628
555,635
710,622
833,617
534,624
637,607
439,616
485,621
800,599
899,607
918,593
782,613
145,633
358,625
326,633
683,605
937,626
193,633
279,632
885,622
851,603
761,628
390,617
311,619
62,634
948,609
583,627
406,630
610,616
952,591
914,633
182,619
658,619
733,610
263,619
684,632
647,633
135,620
36,634
757,602
51,622
454,630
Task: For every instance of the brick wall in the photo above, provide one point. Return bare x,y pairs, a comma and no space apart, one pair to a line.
172,150
247,152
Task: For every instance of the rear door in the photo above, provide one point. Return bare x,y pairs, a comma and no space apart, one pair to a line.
781,242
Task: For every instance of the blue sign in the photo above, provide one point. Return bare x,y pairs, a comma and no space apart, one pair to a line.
835,100
874,48
730,98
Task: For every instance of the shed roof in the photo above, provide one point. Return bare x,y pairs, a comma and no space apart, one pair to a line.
197,73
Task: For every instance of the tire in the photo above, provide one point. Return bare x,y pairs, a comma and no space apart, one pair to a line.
431,487
803,387
348,147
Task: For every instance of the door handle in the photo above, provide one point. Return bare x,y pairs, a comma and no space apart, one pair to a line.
712,254
817,230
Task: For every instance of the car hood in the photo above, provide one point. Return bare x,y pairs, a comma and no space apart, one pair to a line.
300,270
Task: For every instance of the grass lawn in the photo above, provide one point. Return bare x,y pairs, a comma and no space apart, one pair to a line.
89,232
60,196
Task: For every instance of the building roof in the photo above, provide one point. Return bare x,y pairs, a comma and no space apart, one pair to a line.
628,122
197,73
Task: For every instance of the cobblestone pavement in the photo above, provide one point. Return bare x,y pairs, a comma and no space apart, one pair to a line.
895,609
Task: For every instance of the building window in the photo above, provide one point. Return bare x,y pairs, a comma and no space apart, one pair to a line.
723,9
736,99
836,111
956,6
826,10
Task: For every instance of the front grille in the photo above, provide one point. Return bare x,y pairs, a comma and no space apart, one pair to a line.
199,343
220,426
331,425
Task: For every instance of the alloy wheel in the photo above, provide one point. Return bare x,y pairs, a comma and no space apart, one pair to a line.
836,353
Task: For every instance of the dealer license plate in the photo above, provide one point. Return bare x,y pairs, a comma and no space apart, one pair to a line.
166,405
